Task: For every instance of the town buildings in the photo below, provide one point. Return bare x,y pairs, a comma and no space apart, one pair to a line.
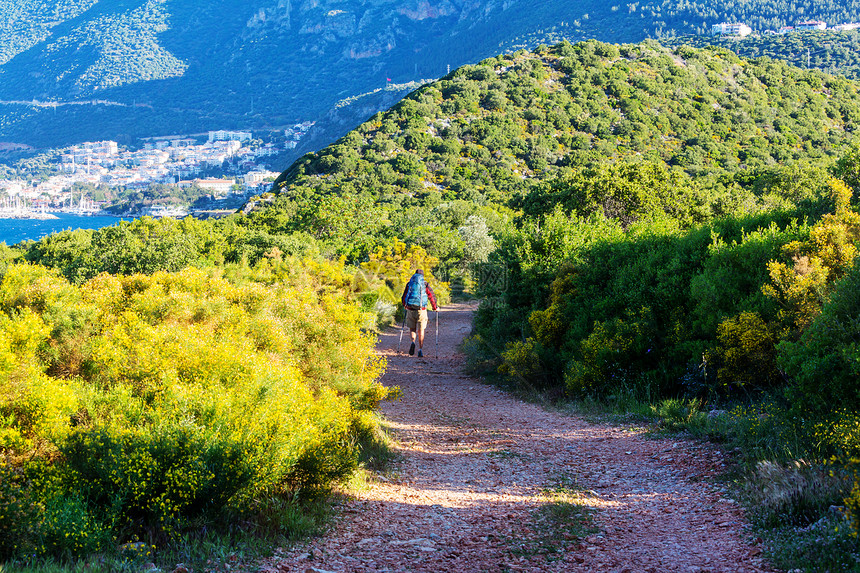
170,160
229,136
741,30
726,29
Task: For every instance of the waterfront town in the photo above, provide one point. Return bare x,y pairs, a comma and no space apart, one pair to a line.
179,161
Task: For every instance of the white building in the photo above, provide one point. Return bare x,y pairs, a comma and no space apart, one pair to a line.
266,150
846,27
726,29
106,147
225,147
256,177
229,136
219,186
810,25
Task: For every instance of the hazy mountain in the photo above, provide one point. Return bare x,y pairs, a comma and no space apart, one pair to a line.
177,66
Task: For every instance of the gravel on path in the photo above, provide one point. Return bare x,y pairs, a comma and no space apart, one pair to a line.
478,465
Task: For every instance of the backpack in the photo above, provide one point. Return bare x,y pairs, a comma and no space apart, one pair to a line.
416,295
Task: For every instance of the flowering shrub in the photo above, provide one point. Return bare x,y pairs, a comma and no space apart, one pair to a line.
184,395
825,362
389,268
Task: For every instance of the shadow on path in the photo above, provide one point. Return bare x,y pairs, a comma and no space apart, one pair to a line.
478,465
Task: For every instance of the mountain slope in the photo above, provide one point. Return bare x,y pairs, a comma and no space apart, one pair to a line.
829,51
630,131
179,66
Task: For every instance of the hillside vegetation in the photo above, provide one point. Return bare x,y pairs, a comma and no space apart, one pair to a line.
828,51
670,226
178,66
631,132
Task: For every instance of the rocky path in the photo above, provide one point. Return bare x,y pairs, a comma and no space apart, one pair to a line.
478,466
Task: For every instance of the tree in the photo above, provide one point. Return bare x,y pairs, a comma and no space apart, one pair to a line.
478,242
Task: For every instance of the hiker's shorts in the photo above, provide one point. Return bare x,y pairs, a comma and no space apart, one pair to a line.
414,318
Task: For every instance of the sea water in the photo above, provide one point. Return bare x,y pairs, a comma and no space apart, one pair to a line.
13,231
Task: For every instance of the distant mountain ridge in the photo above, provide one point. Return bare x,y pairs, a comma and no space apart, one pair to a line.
178,66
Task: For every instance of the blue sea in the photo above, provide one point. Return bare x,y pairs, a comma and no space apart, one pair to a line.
14,231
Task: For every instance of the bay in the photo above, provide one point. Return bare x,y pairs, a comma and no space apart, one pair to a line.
13,231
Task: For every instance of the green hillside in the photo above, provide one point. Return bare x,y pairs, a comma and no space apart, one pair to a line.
525,132
831,52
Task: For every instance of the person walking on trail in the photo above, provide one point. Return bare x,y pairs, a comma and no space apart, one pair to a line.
415,297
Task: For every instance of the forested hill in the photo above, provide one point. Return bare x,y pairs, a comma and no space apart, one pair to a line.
828,51
591,126
155,67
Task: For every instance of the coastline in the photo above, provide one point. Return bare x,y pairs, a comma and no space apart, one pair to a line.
16,230
28,216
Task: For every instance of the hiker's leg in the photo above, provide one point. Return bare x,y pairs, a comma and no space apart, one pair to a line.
412,322
422,324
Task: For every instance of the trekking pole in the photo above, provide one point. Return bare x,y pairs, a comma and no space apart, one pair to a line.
437,333
402,327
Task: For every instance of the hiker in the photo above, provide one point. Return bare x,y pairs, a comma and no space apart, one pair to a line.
414,299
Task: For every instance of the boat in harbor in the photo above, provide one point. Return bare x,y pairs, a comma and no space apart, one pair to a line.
16,208
84,207
162,211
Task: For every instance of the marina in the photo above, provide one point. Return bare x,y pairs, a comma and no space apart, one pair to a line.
16,208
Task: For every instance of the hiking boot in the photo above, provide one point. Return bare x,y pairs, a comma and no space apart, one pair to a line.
420,354
412,350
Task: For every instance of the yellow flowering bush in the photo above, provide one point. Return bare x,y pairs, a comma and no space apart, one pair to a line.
191,394
389,268
802,286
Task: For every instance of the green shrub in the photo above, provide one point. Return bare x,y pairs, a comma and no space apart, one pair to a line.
69,529
524,362
746,352
195,396
824,365
615,357
156,477
19,515
852,500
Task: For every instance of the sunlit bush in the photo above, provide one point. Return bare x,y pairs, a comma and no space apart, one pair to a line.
824,365
745,353
192,395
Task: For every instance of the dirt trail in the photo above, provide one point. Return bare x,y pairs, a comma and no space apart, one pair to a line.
477,466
